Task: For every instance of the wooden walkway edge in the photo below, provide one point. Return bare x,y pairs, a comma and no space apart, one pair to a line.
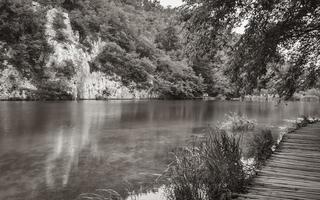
293,171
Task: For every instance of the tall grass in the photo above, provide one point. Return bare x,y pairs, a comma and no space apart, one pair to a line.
184,175
207,169
225,174
213,167
260,147
101,194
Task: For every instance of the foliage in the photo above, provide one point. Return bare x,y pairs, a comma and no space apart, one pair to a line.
179,86
66,70
209,169
302,121
261,146
276,32
313,92
237,123
53,90
185,174
22,30
59,26
143,45
168,39
114,59
147,44
142,39
60,36
214,68
58,22
225,166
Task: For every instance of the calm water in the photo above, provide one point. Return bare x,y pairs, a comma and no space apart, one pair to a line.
58,150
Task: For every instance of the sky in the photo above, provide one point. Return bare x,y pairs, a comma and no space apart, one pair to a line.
176,3
172,3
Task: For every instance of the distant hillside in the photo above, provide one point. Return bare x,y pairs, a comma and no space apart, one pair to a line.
93,50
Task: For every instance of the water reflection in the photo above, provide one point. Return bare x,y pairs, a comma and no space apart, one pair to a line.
67,146
58,150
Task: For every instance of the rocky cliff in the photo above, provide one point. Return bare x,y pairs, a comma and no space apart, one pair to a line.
67,69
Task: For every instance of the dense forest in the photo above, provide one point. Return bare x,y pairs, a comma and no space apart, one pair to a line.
278,51
174,53
143,43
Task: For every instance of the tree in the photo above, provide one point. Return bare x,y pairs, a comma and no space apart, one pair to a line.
274,28
22,31
168,39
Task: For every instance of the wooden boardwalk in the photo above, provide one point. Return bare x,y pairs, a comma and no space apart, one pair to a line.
293,171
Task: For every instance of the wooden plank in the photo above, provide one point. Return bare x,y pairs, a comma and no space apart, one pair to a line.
297,158
293,171
294,164
289,175
309,169
285,193
300,142
284,187
287,190
289,182
300,154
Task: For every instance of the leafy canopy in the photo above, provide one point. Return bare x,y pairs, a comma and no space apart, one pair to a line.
277,33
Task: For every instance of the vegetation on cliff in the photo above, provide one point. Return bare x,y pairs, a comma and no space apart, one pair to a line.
142,43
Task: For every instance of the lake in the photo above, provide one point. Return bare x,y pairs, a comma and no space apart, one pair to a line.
58,150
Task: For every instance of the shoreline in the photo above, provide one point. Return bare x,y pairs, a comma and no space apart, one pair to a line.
151,99
158,190
112,99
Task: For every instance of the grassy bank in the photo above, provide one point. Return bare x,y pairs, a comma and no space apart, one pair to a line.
223,162
215,166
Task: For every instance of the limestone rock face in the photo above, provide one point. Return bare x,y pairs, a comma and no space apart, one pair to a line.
67,70
83,84
68,52
101,86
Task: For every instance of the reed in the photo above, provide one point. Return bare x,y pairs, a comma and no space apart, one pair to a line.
260,147
101,194
209,168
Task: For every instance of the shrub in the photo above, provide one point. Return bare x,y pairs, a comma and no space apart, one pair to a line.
54,90
22,30
180,86
261,147
209,169
61,36
313,92
237,123
59,25
302,121
185,174
224,166
66,70
114,60
58,22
